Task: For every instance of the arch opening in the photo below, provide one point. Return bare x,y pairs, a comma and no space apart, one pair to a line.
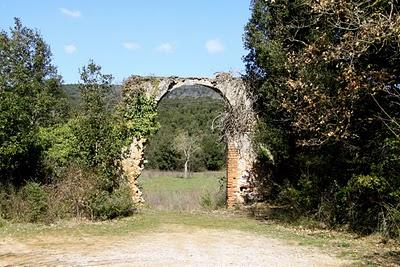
186,115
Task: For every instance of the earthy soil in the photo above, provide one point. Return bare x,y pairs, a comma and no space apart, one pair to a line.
170,245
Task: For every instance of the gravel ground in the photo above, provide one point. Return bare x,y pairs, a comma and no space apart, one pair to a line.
171,245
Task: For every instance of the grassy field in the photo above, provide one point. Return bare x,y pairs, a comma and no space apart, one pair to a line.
170,191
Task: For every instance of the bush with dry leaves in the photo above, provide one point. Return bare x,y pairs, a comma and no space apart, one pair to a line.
326,75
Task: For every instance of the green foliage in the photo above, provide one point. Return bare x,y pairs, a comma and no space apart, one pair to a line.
30,97
28,203
19,149
162,155
106,205
59,143
369,197
213,153
36,198
94,89
98,144
139,113
271,142
98,141
206,201
327,100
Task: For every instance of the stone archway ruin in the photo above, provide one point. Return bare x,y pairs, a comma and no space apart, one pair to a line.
238,130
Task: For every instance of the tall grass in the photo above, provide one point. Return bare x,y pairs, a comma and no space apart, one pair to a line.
170,191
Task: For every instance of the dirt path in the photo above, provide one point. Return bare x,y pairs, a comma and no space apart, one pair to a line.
171,245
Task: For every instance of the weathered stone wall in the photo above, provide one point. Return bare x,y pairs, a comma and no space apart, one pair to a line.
238,129
132,166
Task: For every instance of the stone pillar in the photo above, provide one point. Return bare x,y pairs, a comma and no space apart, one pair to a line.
232,161
132,166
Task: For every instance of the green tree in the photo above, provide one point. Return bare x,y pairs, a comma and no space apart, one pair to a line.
30,98
100,139
99,145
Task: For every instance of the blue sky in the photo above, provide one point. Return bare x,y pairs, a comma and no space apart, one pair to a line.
137,37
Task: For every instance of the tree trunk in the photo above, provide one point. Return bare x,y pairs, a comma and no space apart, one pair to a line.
186,169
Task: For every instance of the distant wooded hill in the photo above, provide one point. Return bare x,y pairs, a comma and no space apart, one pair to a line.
72,92
193,91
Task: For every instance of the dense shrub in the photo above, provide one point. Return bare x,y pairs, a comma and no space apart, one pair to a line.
327,94
36,198
106,205
59,144
69,195
24,204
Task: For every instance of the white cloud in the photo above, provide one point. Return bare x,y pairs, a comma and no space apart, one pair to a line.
165,48
71,13
131,45
214,46
70,49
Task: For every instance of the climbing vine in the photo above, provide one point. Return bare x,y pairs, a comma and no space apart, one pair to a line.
139,113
